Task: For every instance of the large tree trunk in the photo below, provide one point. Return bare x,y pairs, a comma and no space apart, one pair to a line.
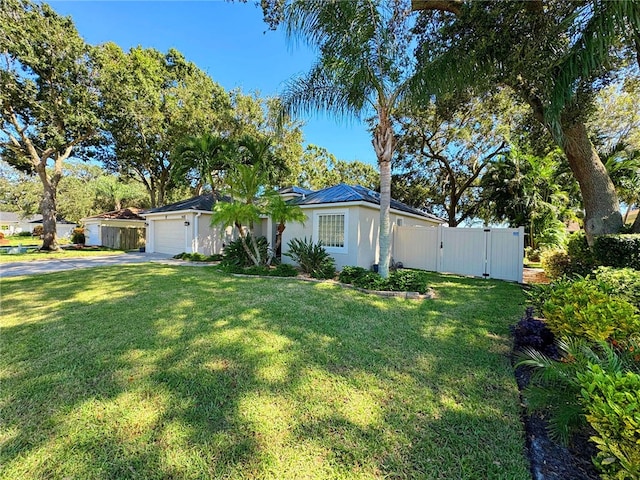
49,213
602,209
635,228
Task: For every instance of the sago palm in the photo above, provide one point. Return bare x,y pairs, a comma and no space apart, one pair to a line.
363,69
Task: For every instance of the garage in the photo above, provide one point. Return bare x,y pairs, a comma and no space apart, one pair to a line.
169,236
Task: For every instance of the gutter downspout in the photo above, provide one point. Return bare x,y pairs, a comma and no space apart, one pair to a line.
196,228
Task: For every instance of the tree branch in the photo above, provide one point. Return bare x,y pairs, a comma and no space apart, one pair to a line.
451,6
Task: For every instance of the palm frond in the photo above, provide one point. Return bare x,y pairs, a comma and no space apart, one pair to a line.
609,21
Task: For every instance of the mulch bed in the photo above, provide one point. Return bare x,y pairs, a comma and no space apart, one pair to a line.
549,459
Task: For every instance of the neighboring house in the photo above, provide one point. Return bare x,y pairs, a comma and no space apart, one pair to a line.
185,226
123,229
346,220
11,223
63,227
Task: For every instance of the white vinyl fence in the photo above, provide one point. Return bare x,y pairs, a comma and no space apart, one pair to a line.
481,252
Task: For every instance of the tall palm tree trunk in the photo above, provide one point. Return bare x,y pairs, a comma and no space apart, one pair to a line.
384,145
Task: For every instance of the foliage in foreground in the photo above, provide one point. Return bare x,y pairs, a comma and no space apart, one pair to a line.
250,378
597,377
235,253
198,257
398,281
312,258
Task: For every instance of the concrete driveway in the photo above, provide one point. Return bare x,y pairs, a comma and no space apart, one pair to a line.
46,266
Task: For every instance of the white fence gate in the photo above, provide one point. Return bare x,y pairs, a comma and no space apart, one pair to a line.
481,252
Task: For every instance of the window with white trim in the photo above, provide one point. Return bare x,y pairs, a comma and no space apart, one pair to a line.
330,228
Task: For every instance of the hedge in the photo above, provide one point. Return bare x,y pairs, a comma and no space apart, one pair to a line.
618,250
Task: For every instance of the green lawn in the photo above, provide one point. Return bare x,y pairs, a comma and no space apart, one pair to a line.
156,372
15,240
32,255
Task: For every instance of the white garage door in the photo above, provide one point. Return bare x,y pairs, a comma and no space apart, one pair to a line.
169,236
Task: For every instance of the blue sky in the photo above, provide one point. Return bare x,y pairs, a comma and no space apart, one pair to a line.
230,42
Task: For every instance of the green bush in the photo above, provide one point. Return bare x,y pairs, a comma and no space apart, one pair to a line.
38,231
540,293
558,387
398,281
198,257
371,281
312,258
349,274
617,250
556,263
612,405
582,260
77,236
582,309
621,282
235,254
284,270
532,254
408,281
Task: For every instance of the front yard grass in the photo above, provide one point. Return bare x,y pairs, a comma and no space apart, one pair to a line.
154,372
35,255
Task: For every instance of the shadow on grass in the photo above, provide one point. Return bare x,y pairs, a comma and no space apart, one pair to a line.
159,372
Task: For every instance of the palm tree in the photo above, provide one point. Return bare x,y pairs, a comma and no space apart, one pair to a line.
362,69
244,184
282,213
203,158
253,150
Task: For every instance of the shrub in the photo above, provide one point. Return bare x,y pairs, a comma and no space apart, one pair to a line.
256,270
284,270
235,254
408,281
532,254
582,260
38,231
371,281
556,386
582,309
556,263
539,293
349,274
312,258
612,404
532,332
622,282
618,250
77,236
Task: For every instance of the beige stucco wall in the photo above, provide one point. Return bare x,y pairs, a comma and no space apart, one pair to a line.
209,240
361,237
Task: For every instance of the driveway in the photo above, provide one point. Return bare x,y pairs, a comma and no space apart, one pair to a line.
46,266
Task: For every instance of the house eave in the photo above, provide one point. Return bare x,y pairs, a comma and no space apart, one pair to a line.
372,206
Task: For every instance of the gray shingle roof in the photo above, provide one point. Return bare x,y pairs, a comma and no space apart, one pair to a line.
203,203
346,193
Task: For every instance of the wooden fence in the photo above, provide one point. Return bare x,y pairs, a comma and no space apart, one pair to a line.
123,238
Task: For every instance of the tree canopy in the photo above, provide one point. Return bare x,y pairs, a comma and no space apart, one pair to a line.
48,97
151,101
555,55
